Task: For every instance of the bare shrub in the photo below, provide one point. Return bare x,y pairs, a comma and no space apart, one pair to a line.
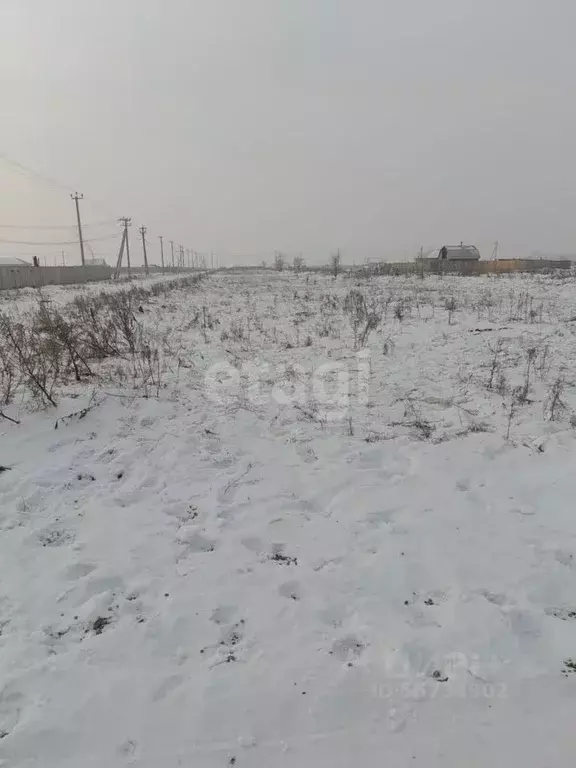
237,331
388,347
543,363
423,428
450,306
147,367
298,263
554,405
100,335
495,363
335,263
372,322
50,324
516,400
501,383
355,307
122,317
413,419
362,319
37,361
9,376
41,350
399,311
531,354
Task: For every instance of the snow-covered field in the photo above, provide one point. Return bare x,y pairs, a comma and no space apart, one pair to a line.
22,298
305,552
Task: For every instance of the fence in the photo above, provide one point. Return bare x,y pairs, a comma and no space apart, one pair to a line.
36,277
465,267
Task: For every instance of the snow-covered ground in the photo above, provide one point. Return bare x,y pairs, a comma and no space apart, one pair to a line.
302,554
24,298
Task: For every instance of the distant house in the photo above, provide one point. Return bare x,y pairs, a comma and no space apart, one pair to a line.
459,253
11,261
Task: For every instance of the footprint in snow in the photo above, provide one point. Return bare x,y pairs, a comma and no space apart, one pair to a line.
199,543
11,705
290,590
78,571
223,614
253,544
348,648
226,650
333,615
495,598
128,748
381,517
165,689
564,558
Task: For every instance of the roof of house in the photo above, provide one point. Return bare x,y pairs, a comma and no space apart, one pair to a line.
456,252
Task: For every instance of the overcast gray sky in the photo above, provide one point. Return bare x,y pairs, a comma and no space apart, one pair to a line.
245,126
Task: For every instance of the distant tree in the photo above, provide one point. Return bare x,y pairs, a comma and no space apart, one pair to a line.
335,263
298,263
279,261
264,264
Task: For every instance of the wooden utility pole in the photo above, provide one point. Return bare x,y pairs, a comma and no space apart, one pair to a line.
143,233
162,251
125,244
172,247
76,197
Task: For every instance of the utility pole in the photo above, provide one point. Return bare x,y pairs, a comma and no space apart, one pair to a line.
120,254
162,251
181,259
63,259
76,197
143,233
125,243
172,247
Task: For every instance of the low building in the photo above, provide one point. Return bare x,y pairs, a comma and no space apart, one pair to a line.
459,253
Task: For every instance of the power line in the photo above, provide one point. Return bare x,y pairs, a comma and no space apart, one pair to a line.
61,242
57,226
56,185
31,172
